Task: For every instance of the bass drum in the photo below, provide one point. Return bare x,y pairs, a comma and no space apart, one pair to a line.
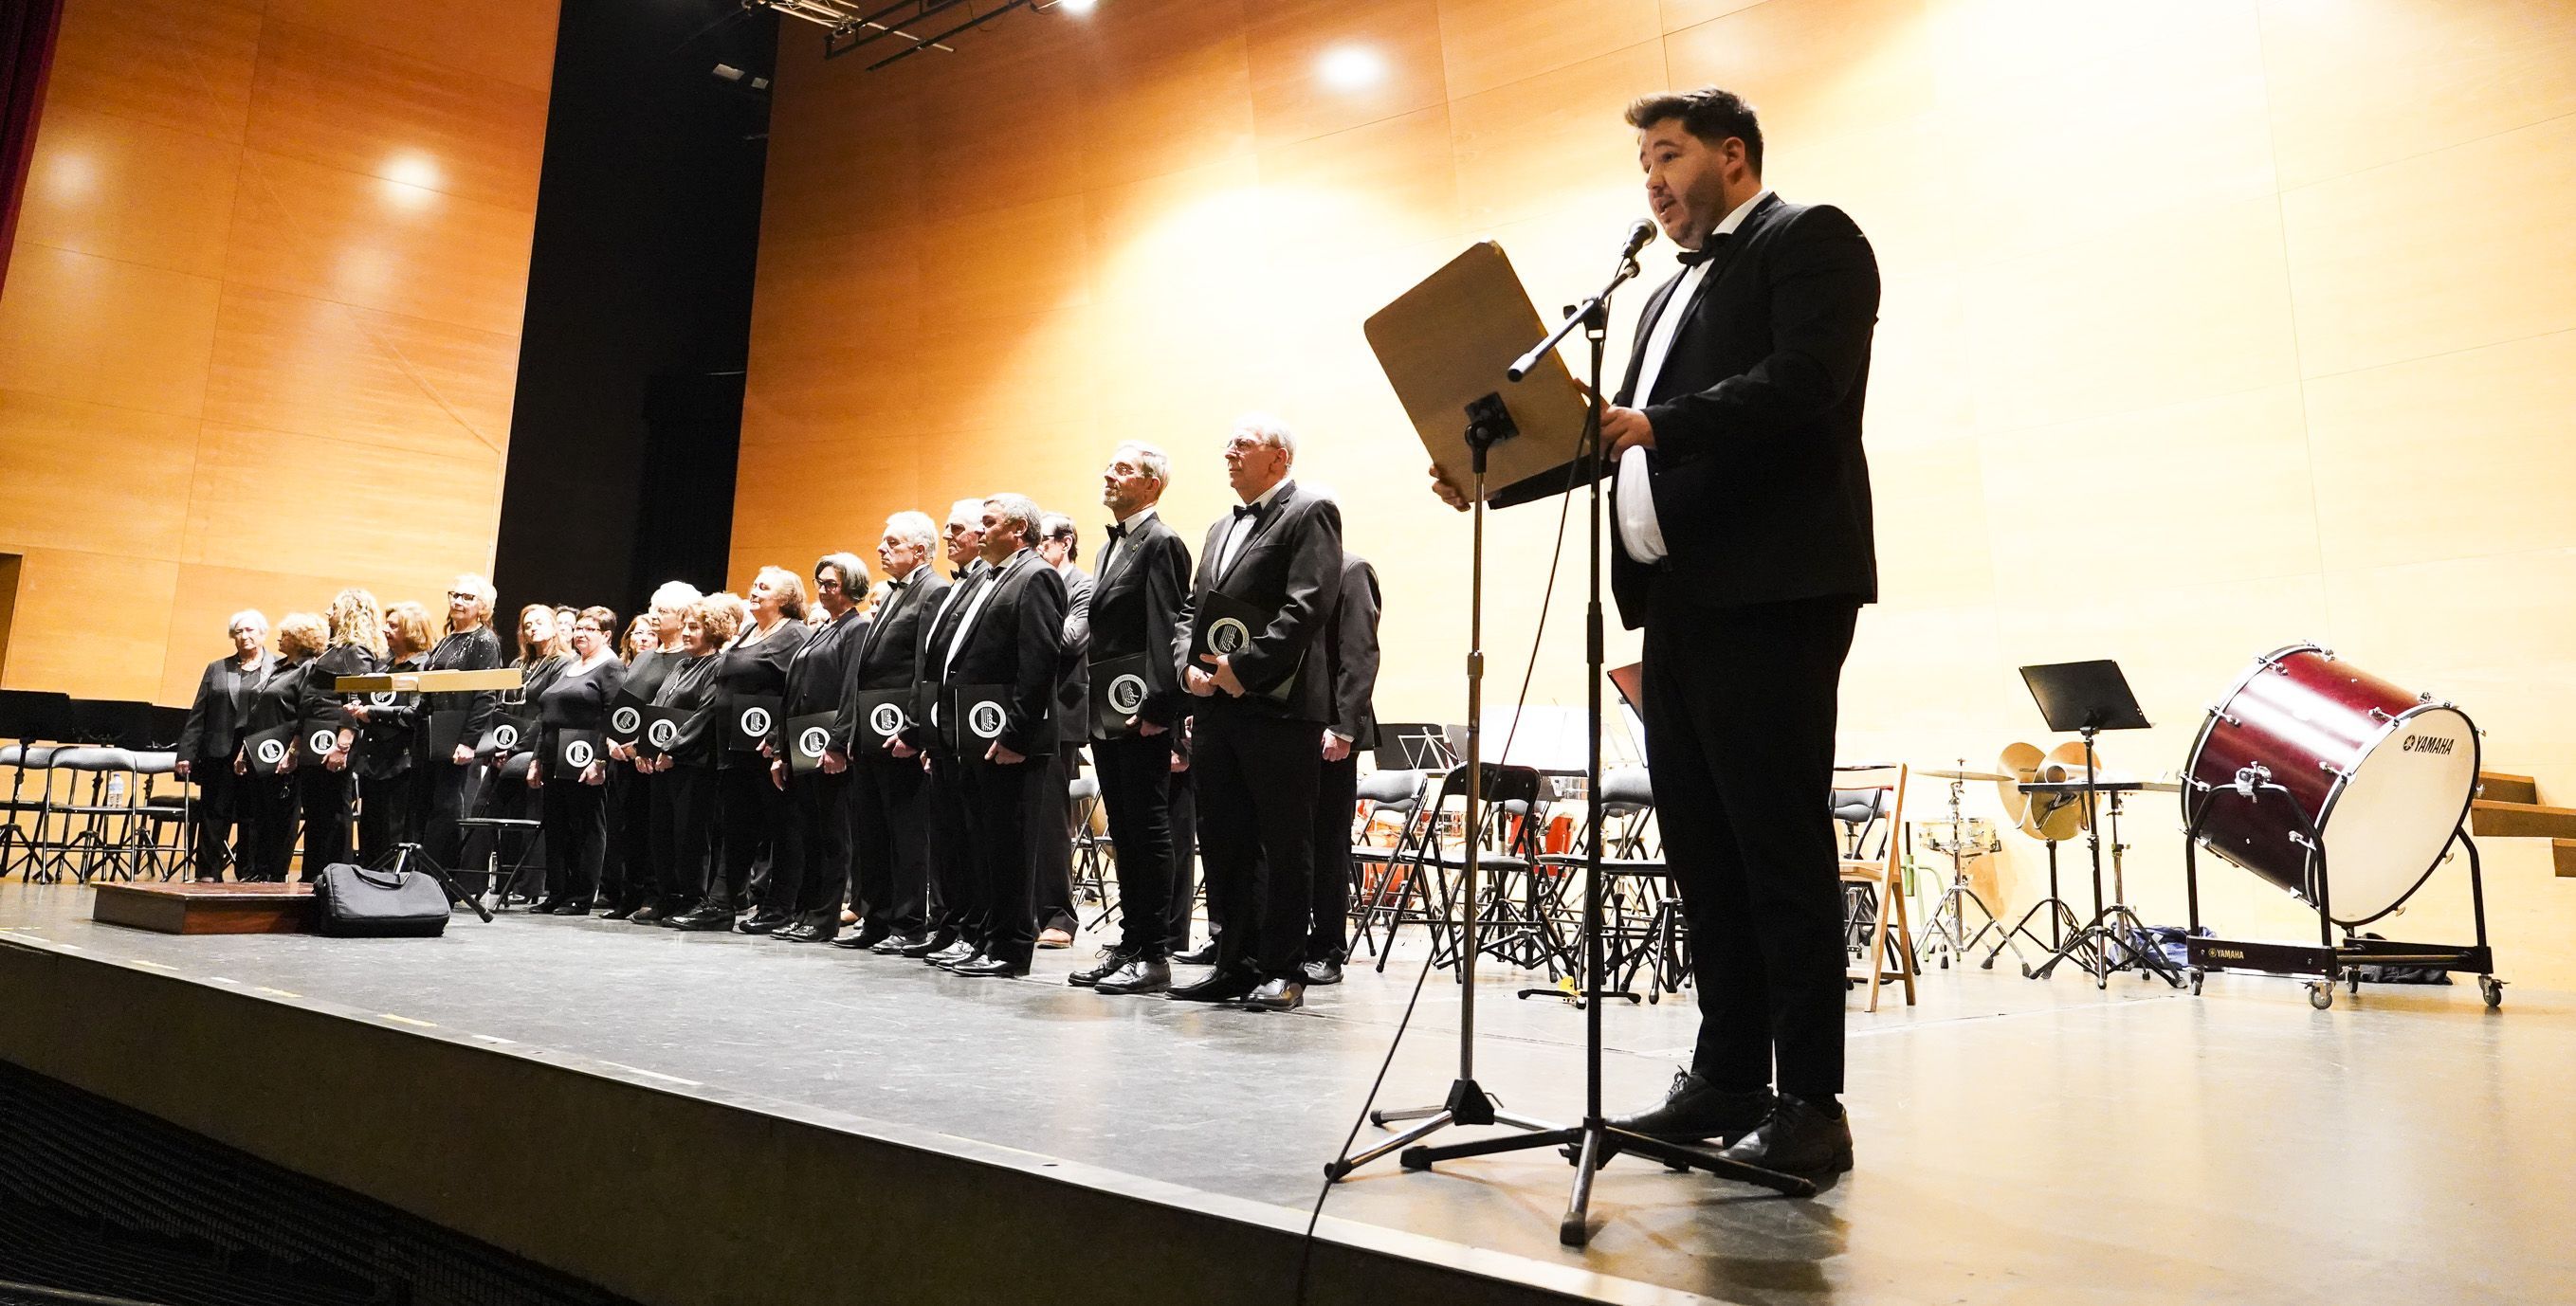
2385,775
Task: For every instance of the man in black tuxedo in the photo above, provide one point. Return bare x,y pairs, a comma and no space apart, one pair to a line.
889,853
1004,631
807,901
1060,544
943,797
1139,608
1261,708
1350,659
1744,550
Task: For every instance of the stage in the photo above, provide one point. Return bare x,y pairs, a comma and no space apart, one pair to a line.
716,1107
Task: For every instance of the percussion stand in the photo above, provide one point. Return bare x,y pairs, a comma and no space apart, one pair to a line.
2061,918
2114,928
1949,935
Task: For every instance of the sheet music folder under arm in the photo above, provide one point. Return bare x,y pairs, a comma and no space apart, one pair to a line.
1445,344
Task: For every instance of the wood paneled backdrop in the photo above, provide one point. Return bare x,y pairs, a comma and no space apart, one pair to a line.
2209,327
262,320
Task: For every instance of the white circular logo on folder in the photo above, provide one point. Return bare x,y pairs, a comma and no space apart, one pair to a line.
813,741
1127,693
505,736
383,697
625,720
578,754
986,720
1227,635
272,751
323,741
664,733
755,721
886,719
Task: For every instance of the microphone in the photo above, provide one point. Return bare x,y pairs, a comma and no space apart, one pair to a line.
1641,233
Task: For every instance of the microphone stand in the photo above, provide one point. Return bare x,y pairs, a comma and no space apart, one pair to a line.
1592,1144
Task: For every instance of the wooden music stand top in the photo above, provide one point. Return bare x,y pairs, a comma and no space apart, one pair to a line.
430,682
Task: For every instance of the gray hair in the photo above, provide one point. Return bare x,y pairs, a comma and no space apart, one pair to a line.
257,619
846,567
973,509
1150,460
914,528
1017,510
1270,430
675,596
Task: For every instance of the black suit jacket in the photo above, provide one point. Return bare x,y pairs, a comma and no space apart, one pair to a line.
1141,605
886,653
817,672
215,721
1073,677
1290,567
1016,639
1350,653
1760,483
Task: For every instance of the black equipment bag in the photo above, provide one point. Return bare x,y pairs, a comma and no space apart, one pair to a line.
356,902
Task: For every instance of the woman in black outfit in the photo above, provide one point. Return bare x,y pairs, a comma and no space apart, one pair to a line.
268,788
448,788
212,736
575,797
754,665
684,776
632,883
504,789
391,767
357,648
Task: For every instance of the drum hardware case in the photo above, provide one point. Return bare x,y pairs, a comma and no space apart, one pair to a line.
2325,962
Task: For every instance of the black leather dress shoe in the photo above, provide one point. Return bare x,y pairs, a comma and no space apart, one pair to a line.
1111,960
1797,1139
900,945
622,911
1694,1110
1327,971
672,911
761,922
798,932
1202,955
868,934
711,916
957,951
1275,995
925,945
648,913
858,941
1139,975
1216,988
987,966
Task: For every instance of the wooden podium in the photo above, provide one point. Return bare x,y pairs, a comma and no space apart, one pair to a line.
186,907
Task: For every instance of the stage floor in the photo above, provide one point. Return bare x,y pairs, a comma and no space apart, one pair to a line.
2019,1141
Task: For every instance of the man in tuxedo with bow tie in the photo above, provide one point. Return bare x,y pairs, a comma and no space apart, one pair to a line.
889,853
1004,630
1744,548
943,799
1140,603
1261,709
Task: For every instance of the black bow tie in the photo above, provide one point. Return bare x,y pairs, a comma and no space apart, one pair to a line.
1243,510
1117,533
1716,244
961,574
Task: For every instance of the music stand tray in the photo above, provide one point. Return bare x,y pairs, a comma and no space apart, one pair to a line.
1445,346
2084,697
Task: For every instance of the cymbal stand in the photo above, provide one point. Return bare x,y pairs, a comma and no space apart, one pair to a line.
2115,928
1948,936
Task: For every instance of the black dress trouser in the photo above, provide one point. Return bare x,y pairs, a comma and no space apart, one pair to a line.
890,855
755,820
952,858
1181,904
819,807
626,874
575,817
389,812
1136,788
1259,772
266,804
325,797
1337,798
1055,842
684,831
1740,708
1009,814
219,832
449,797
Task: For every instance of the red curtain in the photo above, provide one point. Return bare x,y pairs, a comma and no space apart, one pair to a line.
26,51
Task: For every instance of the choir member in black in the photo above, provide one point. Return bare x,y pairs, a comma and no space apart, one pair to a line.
211,737
468,645
1060,546
1139,606
543,644
1005,631
1350,659
267,789
390,763
889,852
636,882
357,648
753,812
686,812
944,798
574,802
806,899
1260,710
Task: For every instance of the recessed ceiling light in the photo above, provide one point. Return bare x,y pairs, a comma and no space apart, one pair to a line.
1351,67
1075,6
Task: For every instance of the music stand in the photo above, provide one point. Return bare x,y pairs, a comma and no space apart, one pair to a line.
2086,698
408,855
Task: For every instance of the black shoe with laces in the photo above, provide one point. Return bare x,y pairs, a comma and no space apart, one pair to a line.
1694,1110
1797,1138
1110,962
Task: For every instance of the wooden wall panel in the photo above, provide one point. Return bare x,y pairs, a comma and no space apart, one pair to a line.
2207,327
260,336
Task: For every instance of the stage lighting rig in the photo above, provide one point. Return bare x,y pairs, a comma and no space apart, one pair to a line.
891,29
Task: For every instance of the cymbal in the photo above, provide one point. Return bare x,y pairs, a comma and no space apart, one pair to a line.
1963,775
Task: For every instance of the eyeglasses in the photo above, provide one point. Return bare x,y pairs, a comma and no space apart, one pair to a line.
460,596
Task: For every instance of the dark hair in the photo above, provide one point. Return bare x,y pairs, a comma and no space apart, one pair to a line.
1059,526
1707,113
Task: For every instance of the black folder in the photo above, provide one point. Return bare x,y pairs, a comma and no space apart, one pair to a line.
446,731
663,727
507,734
266,748
975,717
625,719
1118,689
1225,624
314,741
808,738
748,721
575,750
883,715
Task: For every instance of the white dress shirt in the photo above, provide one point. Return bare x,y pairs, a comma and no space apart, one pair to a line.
1641,533
1126,526
1243,527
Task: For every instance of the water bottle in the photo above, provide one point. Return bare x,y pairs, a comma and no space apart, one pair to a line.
116,789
